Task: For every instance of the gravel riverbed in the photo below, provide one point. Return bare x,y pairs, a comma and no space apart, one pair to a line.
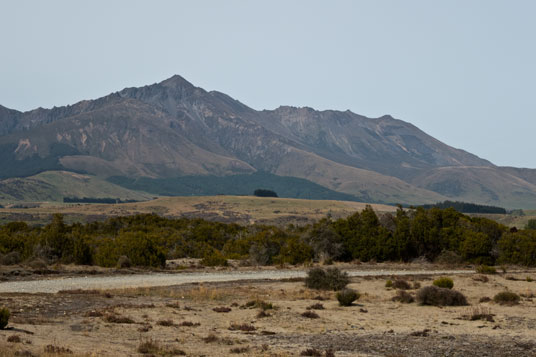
53,285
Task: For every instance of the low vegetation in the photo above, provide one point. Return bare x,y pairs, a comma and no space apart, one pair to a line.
432,295
403,297
444,282
347,296
147,240
506,298
328,279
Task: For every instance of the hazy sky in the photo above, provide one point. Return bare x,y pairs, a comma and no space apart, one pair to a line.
463,71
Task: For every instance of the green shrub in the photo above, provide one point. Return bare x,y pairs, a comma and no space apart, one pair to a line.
444,282
432,295
506,298
347,296
329,279
485,269
389,284
4,317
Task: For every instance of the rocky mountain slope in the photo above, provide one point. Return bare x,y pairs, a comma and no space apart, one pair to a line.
172,129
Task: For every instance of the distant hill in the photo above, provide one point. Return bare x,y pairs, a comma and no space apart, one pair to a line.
55,185
173,129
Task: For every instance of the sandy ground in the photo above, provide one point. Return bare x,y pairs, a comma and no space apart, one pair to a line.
181,319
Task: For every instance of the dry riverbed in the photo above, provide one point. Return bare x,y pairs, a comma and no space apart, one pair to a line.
226,318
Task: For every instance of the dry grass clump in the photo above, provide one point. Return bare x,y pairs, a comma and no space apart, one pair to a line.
189,324
263,313
14,339
242,327
149,346
237,350
317,353
261,304
506,298
52,349
310,314
94,313
404,297
316,306
203,293
118,319
165,323
481,278
479,313
210,338
152,347
174,305
145,328
432,295
222,309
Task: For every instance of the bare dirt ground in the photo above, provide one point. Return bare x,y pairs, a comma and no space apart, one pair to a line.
224,318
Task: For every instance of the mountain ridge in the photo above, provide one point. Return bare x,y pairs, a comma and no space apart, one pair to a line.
173,128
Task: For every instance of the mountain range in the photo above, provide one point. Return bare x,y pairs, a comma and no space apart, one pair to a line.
173,130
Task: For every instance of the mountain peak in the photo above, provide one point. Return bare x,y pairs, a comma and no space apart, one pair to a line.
177,81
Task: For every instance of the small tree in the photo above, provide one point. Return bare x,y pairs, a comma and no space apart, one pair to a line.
531,224
264,193
4,317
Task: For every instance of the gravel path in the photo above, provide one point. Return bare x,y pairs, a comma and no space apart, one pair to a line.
161,279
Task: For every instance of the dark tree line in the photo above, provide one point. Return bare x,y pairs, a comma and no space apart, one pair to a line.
465,207
148,240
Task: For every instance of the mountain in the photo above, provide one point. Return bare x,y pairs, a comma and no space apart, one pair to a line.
173,129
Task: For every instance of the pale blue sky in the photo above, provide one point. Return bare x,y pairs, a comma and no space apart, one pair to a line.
463,71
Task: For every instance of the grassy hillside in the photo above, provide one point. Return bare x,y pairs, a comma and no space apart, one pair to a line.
288,187
54,185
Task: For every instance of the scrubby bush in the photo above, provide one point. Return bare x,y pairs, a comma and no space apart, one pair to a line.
506,298
401,284
310,314
485,269
4,317
404,297
389,283
329,279
347,296
444,282
432,295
